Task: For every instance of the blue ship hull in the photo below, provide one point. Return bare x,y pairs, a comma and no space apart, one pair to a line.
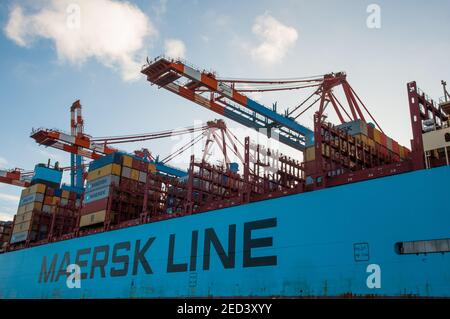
316,244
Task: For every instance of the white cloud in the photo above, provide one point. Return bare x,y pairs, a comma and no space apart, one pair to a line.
110,31
175,49
6,217
277,39
10,198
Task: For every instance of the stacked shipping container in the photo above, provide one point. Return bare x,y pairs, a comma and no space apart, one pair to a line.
5,234
114,189
349,147
45,209
370,136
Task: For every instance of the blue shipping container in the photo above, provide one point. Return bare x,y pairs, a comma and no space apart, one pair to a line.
96,194
78,190
18,237
47,174
106,160
102,182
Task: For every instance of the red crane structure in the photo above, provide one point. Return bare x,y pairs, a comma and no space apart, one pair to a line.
227,97
16,177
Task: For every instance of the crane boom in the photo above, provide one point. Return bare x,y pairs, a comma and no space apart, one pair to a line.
15,177
81,145
224,100
225,97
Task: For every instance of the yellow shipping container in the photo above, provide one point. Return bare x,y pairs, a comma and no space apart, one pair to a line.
29,207
20,227
111,169
56,200
36,188
370,142
152,168
21,210
135,174
377,136
23,217
27,216
363,138
94,218
127,161
310,154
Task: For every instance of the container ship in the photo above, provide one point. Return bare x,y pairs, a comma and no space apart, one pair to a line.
355,215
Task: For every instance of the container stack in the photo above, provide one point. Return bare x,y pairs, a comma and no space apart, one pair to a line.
370,136
5,234
114,189
45,209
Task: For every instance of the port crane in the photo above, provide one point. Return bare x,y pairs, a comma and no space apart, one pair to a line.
81,145
22,178
226,96
16,177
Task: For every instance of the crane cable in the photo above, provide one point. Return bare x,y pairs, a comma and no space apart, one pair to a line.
146,136
183,148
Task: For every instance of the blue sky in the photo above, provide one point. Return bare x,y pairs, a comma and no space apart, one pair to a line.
39,83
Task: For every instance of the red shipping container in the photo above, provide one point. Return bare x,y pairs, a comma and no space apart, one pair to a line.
72,195
407,153
135,164
370,132
124,182
94,206
383,140
395,147
48,200
49,191
143,166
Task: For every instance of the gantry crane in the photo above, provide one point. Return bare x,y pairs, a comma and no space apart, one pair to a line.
81,145
227,98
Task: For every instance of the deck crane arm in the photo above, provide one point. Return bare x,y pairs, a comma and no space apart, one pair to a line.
223,99
16,177
83,145
226,97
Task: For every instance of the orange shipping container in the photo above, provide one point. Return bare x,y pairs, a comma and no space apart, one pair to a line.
152,168
377,136
127,161
48,200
